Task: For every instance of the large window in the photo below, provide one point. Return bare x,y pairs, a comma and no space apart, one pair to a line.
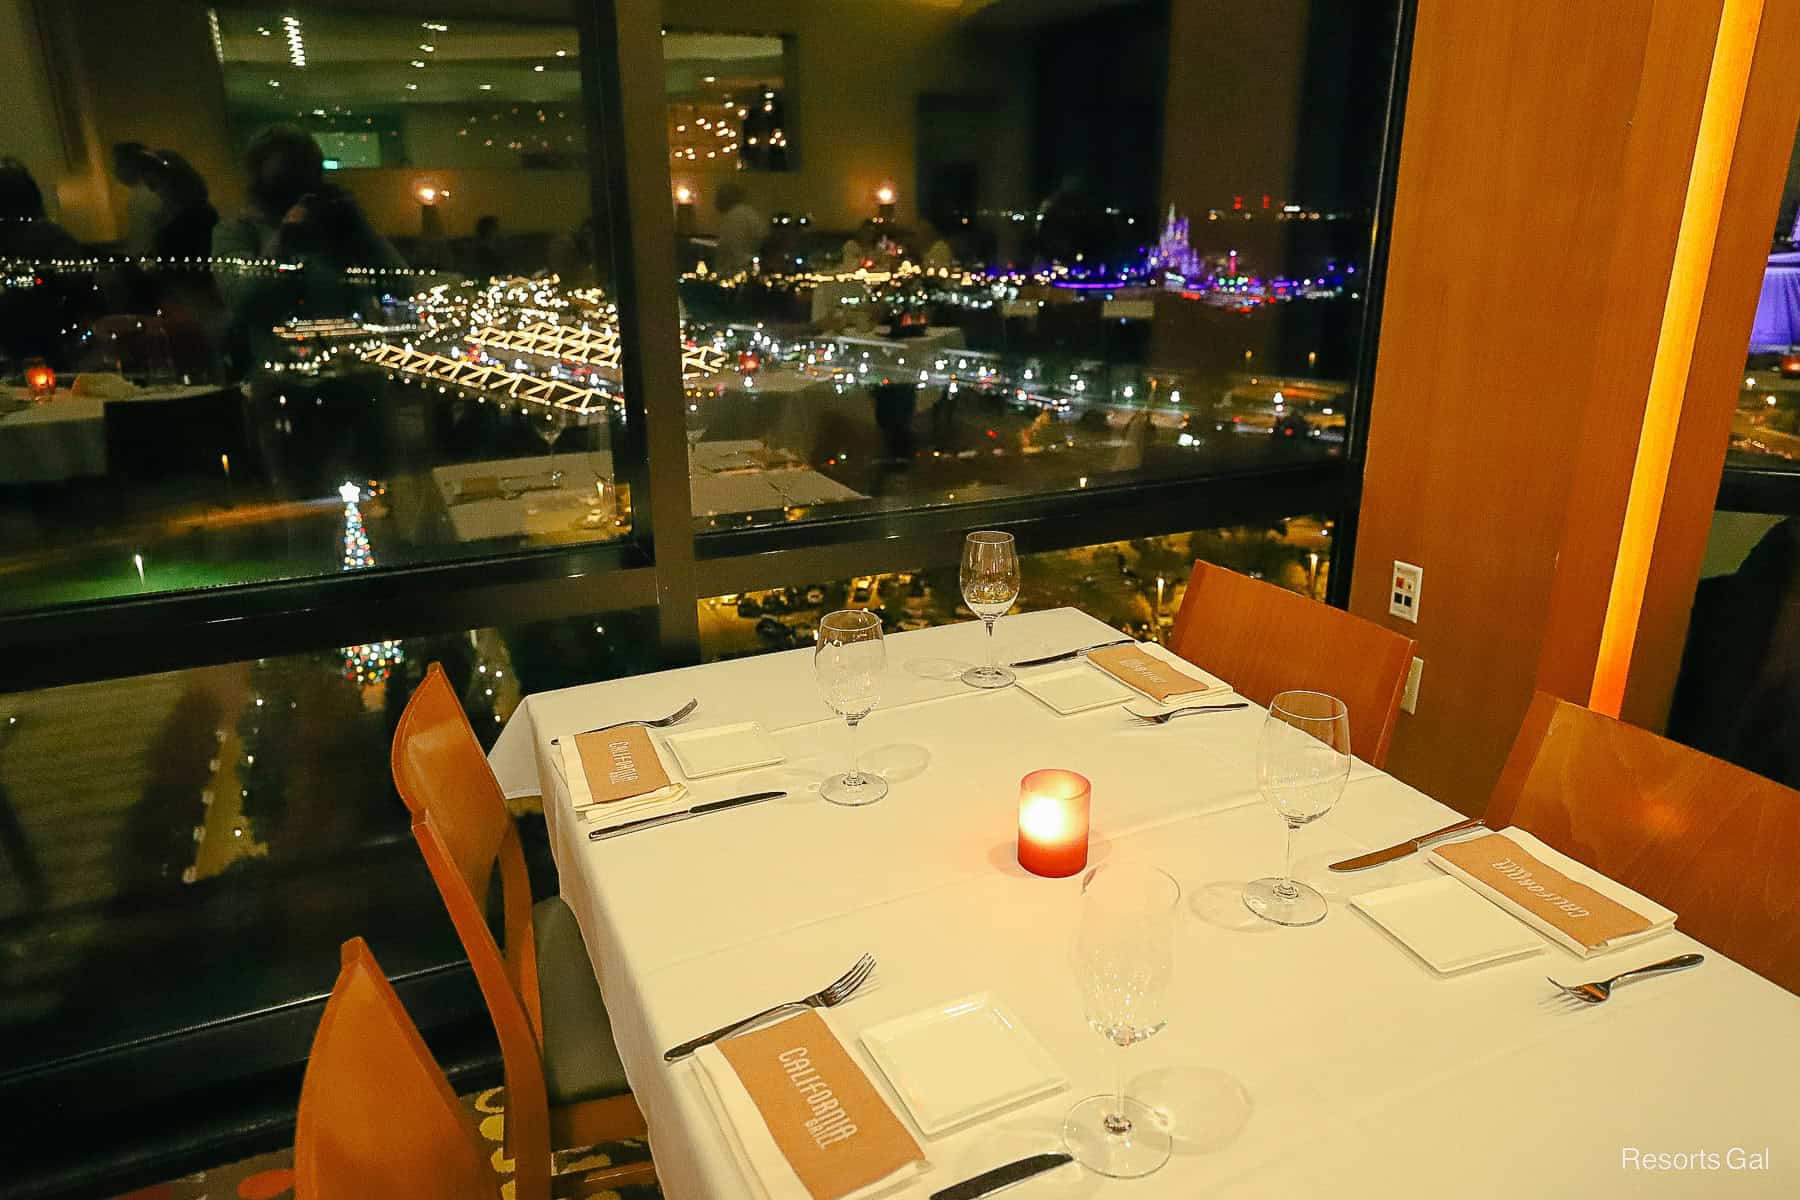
354,267
1738,694
623,334
1027,248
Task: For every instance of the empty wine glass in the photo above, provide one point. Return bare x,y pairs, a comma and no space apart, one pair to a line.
1124,961
848,663
1302,764
990,584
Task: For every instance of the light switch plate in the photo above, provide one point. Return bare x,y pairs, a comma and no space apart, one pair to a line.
1403,597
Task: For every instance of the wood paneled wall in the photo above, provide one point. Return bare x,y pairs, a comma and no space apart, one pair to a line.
1543,175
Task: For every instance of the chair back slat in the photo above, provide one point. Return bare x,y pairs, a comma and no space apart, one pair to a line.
465,832
1710,840
1263,640
377,1117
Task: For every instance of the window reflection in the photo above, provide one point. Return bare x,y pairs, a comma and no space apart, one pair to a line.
1024,248
1765,432
1135,586
295,252
204,839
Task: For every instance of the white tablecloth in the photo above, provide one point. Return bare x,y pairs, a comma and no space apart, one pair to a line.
1319,1061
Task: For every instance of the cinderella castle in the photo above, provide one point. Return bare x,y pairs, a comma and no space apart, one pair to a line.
1173,255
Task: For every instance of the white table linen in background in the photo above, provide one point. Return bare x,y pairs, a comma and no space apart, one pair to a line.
1365,1074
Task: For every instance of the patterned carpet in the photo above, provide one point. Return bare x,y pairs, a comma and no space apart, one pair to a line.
271,1176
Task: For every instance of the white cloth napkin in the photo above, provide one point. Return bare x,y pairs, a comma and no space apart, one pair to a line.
753,1147
582,797
1661,919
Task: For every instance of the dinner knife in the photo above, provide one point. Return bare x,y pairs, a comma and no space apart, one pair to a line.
1068,654
699,810
1375,858
989,1182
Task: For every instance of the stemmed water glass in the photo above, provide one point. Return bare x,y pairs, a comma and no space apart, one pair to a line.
848,663
990,584
1302,764
1124,960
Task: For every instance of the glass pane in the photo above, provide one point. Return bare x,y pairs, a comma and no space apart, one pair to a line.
1765,432
184,818
1135,586
1738,694
259,263
935,253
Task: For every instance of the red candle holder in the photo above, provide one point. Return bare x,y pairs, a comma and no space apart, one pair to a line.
1053,822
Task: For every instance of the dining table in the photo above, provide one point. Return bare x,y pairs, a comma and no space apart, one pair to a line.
1296,1062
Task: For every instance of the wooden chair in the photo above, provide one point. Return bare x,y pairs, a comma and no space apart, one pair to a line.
1710,840
377,1117
1263,639
565,1084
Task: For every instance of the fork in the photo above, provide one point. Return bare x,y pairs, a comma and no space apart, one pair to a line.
1596,993
674,718
1165,718
829,996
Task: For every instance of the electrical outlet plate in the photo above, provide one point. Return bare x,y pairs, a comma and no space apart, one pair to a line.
1409,696
1403,597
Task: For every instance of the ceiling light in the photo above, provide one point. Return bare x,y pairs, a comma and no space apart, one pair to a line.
487,87
539,67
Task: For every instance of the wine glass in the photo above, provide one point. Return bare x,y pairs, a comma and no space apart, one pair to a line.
1302,764
848,663
1124,960
990,584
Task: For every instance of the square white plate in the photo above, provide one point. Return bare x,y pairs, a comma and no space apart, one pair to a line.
1074,688
1449,925
956,1062
703,752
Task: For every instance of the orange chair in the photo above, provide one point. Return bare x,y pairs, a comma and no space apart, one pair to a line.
377,1116
1262,640
565,1084
1710,840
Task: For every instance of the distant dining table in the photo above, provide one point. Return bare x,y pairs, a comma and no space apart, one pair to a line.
1297,1062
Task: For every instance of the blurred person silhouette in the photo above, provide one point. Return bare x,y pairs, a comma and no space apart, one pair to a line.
487,253
294,217
26,230
182,225
863,248
1071,223
742,231
132,163
571,254
33,320
930,248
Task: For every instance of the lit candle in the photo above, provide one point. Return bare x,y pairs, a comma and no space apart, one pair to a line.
1053,822
40,380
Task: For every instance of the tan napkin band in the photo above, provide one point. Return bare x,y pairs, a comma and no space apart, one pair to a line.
1575,908
827,1119
620,764
1148,674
